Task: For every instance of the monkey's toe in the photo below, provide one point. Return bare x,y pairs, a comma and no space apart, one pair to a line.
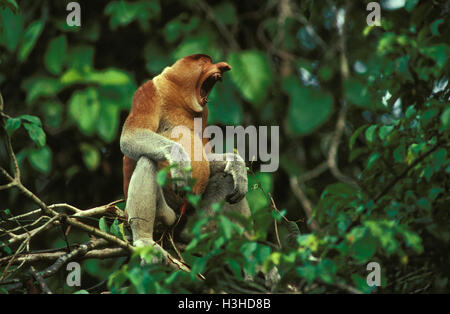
158,255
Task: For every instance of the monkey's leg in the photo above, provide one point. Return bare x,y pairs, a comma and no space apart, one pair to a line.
145,202
163,210
142,200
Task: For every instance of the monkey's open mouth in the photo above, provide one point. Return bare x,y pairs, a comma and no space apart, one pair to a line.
207,86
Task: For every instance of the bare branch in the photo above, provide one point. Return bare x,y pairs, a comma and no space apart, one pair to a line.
40,280
306,203
222,28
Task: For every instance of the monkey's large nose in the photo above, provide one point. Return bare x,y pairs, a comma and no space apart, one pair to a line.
223,66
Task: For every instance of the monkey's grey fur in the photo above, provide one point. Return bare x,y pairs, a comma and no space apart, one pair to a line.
145,202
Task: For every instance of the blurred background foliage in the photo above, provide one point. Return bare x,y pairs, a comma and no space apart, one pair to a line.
387,198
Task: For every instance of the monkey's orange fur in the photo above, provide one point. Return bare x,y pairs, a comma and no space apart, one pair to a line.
175,98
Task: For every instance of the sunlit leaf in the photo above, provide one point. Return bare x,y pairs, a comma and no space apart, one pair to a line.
251,74
84,109
55,54
308,109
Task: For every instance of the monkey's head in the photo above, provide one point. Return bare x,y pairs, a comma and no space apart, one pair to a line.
194,77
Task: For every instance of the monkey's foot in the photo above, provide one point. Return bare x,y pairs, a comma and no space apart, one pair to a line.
161,255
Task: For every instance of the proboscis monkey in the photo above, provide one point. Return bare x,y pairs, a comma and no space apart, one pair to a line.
172,99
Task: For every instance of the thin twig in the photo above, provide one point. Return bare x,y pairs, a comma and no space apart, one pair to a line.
222,28
306,203
40,280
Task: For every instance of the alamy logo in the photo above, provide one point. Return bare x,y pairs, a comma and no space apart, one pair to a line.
74,17
374,17
73,279
255,150
374,277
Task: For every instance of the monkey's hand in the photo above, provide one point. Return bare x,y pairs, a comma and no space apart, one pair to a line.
181,170
237,169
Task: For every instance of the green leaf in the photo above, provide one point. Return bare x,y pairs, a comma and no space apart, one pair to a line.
108,123
435,26
308,109
193,44
31,119
438,53
384,232
384,131
357,93
445,119
256,199
355,135
123,13
428,116
364,246
80,57
12,124
103,225
7,249
156,57
81,292
308,272
413,240
423,203
161,177
224,107
30,37
37,86
434,192
326,270
361,284
84,109
36,133
251,74
13,32
410,112
108,77
41,159
115,229
91,156
226,226
53,114
370,133
400,153
235,268
55,54
194,199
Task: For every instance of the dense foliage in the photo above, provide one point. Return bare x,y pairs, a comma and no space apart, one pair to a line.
364,122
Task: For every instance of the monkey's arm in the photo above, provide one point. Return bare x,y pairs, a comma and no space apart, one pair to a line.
142,142
233,165
139,137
